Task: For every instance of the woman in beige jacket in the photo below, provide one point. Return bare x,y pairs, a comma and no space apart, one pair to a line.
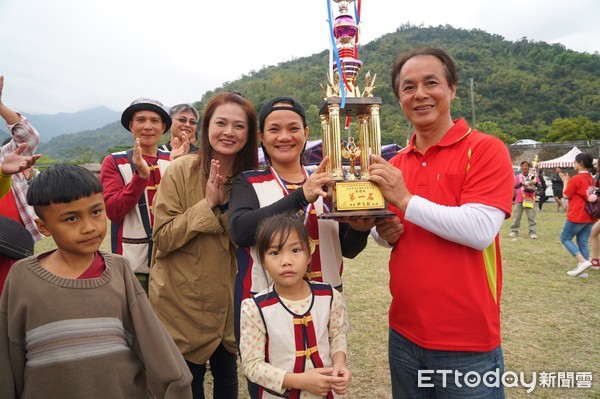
194,260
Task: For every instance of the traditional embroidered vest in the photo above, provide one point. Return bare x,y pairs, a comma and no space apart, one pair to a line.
269,190
135,240
297,342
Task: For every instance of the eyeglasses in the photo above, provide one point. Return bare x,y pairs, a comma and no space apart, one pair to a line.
184,120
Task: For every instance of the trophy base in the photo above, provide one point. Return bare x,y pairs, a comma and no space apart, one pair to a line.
352,215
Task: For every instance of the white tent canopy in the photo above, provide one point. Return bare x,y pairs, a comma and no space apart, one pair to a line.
565,161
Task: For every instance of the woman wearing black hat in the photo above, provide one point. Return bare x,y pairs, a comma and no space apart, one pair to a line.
286,186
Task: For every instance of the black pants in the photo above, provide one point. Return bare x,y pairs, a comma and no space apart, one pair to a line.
252,389
223,367
543,198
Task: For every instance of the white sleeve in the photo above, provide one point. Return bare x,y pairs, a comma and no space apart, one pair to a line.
380,241
473,225
338,324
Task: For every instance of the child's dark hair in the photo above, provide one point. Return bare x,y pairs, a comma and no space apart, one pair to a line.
62,183
282,225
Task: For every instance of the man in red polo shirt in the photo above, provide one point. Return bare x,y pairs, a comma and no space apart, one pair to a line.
452,188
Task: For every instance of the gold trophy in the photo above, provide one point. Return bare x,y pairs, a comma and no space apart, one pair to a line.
354,196
533,171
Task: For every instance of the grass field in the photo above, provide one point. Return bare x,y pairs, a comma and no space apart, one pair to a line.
551,322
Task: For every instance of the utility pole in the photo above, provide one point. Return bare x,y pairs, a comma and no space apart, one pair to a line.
473,122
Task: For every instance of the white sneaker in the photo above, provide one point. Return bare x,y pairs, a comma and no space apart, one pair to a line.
581,267
533,236
583,275
513,234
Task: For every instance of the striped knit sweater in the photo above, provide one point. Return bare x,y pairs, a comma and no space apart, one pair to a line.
84,338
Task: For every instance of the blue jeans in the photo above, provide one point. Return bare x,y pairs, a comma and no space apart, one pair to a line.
419,373
582,233
223,366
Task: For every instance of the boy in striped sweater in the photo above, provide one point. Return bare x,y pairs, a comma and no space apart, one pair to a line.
70,318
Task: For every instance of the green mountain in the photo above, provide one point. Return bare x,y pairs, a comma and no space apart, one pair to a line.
522,89
88,146
50,126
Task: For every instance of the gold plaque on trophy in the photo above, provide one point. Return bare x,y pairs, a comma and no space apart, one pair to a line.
354,196
358,195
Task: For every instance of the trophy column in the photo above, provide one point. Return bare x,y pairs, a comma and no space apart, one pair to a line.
364,142
375,129
325,134
335,151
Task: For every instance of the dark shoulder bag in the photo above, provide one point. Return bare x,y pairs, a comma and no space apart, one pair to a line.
593,207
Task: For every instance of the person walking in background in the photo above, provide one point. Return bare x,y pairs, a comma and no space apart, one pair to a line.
194,261
13,204
579,222
130,179
558,185
293,335
183,130
74,321
525,184
542,190
452,188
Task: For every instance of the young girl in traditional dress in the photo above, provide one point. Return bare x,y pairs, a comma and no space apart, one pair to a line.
293,333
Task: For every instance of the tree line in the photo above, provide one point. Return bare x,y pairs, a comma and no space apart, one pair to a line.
522,89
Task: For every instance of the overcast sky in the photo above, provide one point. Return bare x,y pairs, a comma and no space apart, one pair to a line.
71,55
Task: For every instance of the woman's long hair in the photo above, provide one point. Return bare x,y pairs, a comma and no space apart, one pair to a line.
247,158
